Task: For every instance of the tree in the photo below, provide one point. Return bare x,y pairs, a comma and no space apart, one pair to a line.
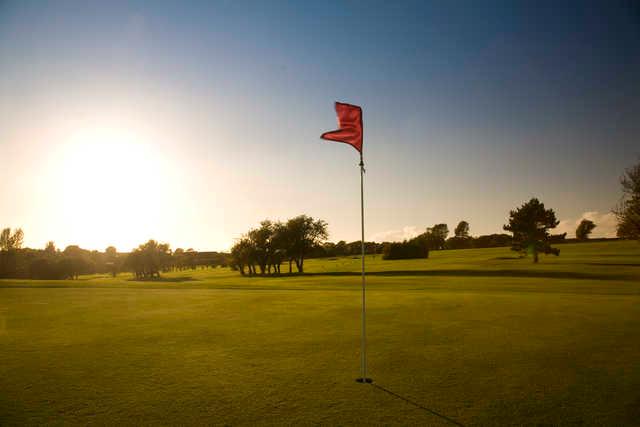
5,239
111,256
414,248
12,262
281,246
148,259
50,263
43,268
461,238
305,233
628,210
329,249
10,241
274,242
265,247
17,238
354,248
76,261
190,260
50,248
462,230
262,240
492,241
178,259
242,256
585,228
530,225
437,235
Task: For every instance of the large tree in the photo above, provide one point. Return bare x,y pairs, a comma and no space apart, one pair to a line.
264,247
148,259
530,225
435,237
628,210
461,238
462,230
585,228
305,234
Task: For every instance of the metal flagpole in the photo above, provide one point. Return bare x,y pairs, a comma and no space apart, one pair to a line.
363,343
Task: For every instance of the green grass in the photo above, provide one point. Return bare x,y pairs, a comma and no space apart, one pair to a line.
476,336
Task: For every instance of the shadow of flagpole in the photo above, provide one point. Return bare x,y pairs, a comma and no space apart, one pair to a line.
417,405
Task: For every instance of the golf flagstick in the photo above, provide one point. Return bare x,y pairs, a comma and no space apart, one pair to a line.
363,340
350,132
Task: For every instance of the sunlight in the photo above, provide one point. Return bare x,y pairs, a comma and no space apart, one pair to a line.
110,185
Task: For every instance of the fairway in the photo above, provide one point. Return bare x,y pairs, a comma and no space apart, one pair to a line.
475,337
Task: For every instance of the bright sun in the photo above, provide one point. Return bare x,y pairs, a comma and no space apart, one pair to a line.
110,188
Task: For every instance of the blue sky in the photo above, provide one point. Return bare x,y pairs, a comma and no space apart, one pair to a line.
469,108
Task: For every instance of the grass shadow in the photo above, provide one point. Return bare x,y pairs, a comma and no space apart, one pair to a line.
417,405
613,255
483,273
165,280
605,264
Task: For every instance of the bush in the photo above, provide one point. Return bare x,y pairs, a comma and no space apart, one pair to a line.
413,248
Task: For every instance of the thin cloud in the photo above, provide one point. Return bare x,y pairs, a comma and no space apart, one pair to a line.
405,233
605,224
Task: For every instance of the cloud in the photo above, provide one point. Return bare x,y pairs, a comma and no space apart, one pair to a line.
405,233
605,224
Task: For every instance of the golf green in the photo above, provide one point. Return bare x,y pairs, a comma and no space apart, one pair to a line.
475,337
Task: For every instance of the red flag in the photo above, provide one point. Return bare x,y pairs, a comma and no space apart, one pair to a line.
350,126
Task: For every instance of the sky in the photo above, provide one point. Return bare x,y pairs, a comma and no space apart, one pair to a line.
190,122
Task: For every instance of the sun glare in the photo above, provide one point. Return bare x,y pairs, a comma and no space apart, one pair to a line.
110,187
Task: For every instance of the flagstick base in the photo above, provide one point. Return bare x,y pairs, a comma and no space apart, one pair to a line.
364,380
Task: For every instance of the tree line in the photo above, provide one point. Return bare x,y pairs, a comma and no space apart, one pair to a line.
51,263
529,225
434,238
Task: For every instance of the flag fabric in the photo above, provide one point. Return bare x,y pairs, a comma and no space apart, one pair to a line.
350,126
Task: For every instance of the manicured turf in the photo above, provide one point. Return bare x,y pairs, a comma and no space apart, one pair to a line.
471,336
